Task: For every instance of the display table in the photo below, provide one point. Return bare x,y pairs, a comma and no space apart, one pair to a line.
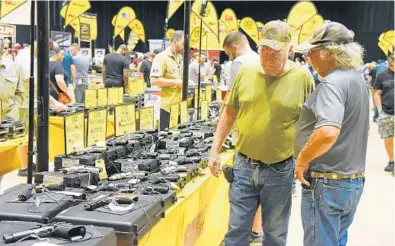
56,134
200,216
9,155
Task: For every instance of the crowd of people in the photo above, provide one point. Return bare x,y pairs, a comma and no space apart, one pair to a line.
297,111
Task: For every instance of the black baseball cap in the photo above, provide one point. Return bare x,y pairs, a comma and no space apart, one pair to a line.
327,34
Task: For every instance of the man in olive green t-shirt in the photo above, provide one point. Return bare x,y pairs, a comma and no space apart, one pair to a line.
264,104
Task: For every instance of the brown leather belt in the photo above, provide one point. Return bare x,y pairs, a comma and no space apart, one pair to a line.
335,176
258,162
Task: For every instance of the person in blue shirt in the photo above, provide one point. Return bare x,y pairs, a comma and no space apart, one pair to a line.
69,66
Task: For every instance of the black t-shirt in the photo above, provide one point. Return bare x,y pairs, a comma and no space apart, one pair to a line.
55,68
218,69
146,69
385,82
115,64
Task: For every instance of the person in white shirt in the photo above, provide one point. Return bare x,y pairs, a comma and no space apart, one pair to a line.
238,49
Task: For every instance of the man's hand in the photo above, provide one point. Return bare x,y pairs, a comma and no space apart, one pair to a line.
60,107
214,163
300,171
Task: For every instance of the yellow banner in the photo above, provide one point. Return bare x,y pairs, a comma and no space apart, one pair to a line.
125,119
383,47
74,132
260,26
195,37
147,118
75,24
174,113
75,9
173,6
223,32
389,37
8,6
123,19
229,18
91,21
309,27
210,17
138,28
97,127
208,93
249,26
184,117
300,13
170,32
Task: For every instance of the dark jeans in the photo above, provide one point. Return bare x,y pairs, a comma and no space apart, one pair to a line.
110,83
328,210
164,119
267,185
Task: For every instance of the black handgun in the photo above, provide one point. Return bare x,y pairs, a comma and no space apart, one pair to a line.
59,230
228,173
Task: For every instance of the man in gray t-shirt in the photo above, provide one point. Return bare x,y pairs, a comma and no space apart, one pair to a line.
332,134
194,70
82,81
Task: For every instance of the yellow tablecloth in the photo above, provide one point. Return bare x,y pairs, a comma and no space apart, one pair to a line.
56,134
9,155
200,216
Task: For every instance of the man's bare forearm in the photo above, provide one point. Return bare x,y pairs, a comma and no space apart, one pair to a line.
73,73
225,124
377,99
162,82
320,142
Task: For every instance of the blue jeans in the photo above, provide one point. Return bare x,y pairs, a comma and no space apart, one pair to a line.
268,185
328,210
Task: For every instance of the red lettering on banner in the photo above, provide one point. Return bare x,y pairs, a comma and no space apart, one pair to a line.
195,229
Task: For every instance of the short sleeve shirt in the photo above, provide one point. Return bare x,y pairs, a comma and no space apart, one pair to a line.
168,66
12,92
341,100
385,82
67,62
268,109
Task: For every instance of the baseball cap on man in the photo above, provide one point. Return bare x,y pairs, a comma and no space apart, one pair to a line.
326,34
275,34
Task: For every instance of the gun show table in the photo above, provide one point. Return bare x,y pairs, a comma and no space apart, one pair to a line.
56,134
200,216
9,155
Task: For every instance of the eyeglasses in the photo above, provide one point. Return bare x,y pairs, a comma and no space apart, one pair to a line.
314,49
